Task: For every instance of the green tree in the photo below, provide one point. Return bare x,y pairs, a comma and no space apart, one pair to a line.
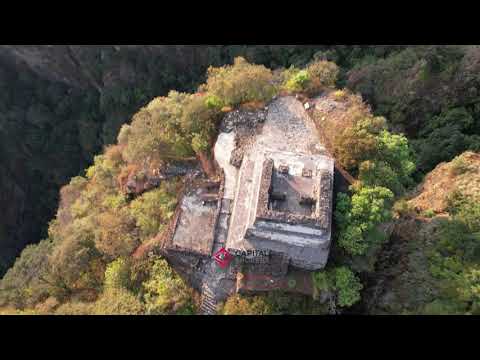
156,132
240,305
322,74
153,209
116,235
214,102
240,83
347,286
298,81
198,117
166,292
358,216
340,282
117,275
200,143
393,149
359,142
455,257
23,284
75,308
117,301
75,263
272,303
372,173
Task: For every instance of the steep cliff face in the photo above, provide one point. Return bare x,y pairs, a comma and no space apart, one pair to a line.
59,104
98,66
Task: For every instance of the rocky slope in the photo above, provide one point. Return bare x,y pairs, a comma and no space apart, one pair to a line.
460,175
402,282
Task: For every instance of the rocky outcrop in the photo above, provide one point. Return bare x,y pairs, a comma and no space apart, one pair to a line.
402,282
461,175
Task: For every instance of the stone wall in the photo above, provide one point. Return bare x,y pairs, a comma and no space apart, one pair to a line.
324,201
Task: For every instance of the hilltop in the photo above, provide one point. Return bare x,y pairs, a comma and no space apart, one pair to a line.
399,245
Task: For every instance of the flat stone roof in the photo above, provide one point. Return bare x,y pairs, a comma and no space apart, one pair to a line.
284,190
195,226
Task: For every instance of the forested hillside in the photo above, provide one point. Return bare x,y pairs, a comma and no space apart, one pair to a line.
60,104
431,94
403,121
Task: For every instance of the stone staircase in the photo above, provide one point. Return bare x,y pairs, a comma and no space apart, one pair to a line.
208,303
221,231
213,288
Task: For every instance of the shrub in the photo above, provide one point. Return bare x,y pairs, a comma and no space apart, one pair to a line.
458,117
441,307
358,142
200,143
347,286
197,117
118,302
156,131
455,257
75,263
459,166
47,307
115,236
358,216
75,308
105,170
394,150
372,173
442,144
166,292
403,208
153,209
114,202
242,82
240,305
22,286
214,102
298,82
321,282
429,213
469,291
467,210
339,95
114,157
380,157
340,281
322,74
272,303
117,275
71,192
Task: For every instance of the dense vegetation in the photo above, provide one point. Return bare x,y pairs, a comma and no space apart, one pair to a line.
273,303
455,260
424,110
86,260
56,116
429,92
380,163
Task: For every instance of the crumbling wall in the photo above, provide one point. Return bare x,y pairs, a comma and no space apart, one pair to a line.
324,200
